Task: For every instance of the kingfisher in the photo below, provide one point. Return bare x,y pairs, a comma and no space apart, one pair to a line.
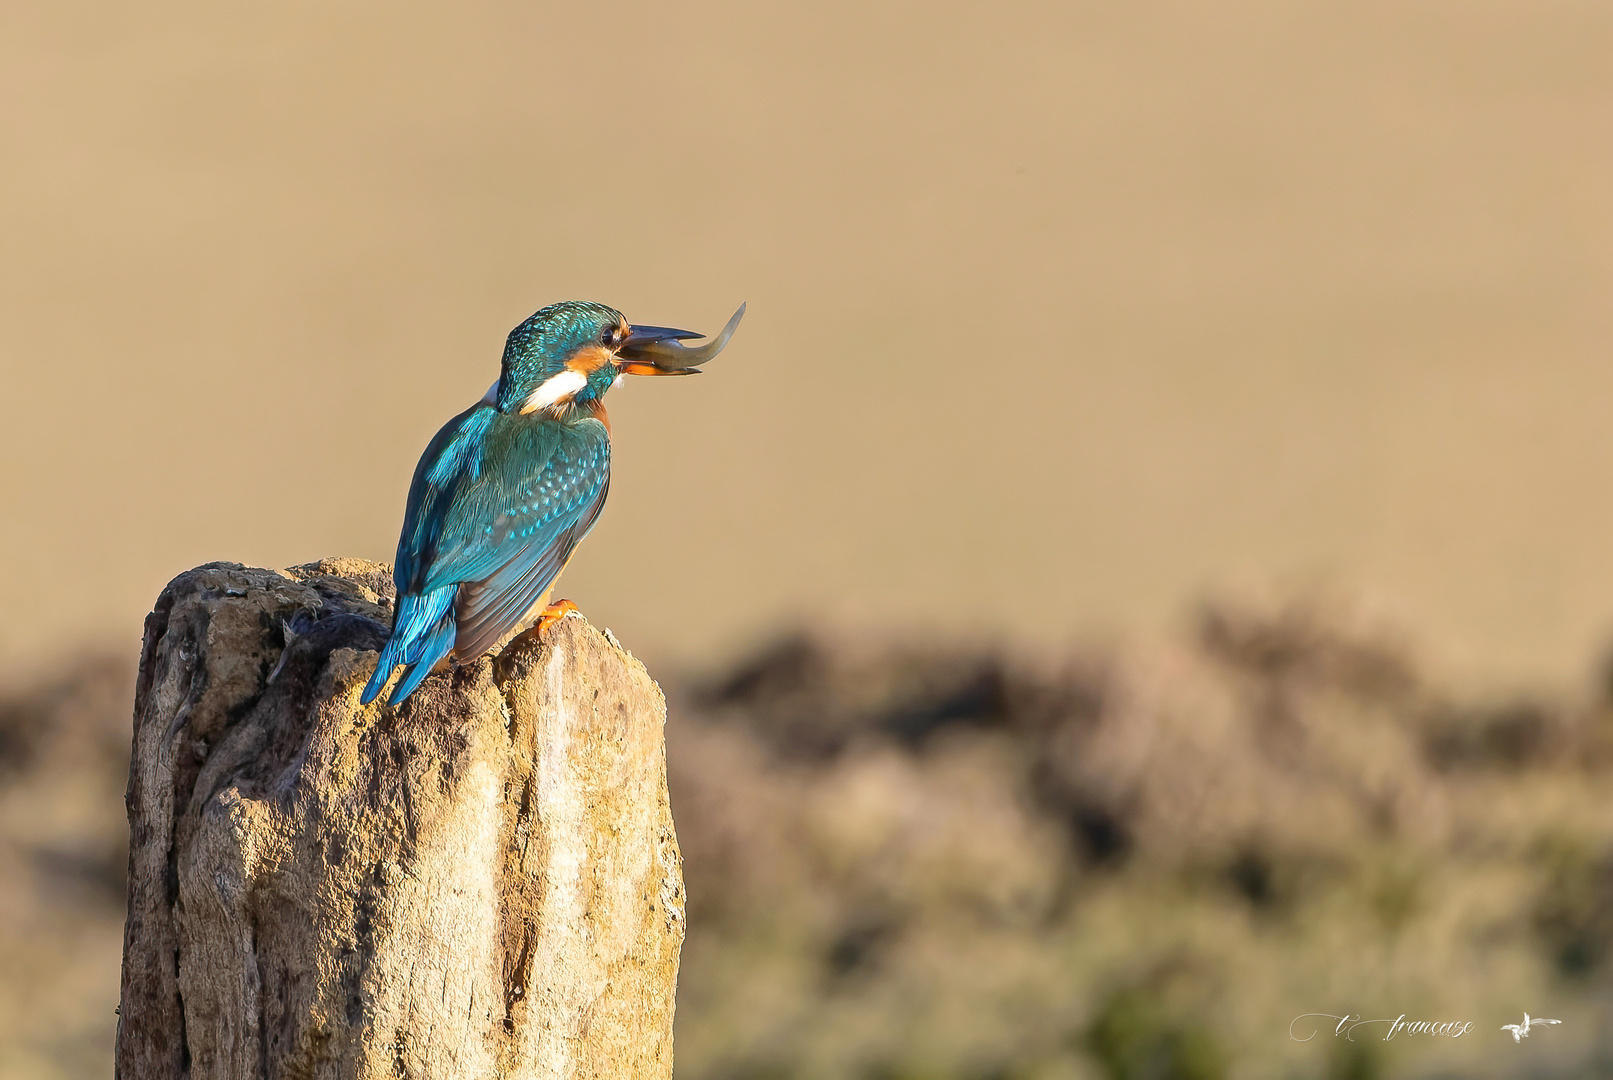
507,489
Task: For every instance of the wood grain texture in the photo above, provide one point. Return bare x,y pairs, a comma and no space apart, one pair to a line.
483,882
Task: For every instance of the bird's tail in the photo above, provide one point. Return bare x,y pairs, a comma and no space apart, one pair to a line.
422,634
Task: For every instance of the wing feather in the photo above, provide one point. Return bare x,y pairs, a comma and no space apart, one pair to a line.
534,484
496,507
489,609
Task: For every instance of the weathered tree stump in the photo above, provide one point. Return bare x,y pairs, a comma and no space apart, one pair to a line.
482,882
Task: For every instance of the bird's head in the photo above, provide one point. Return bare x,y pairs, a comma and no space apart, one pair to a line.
571,353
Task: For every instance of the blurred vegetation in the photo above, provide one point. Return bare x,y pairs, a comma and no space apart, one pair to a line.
64,757
1146,862
920,863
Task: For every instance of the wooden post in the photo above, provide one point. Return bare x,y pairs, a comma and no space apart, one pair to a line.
484,882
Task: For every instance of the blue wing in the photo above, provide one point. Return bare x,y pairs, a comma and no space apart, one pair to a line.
497,506
490,608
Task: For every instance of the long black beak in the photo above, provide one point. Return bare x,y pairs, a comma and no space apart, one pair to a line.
655,350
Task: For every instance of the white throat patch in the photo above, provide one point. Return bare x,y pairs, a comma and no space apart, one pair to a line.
555,389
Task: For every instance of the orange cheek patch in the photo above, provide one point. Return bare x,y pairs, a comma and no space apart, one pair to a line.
589,359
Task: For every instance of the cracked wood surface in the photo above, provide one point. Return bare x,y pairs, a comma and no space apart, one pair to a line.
483,882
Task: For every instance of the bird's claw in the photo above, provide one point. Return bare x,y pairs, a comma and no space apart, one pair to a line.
553,614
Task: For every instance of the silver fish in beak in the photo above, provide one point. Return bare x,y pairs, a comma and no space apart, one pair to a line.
658,350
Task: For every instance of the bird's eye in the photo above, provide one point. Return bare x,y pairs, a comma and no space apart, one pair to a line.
608,337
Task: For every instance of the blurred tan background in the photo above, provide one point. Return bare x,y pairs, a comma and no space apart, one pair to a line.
1058,312
1062,318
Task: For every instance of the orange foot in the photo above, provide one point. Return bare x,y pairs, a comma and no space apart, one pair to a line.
553,614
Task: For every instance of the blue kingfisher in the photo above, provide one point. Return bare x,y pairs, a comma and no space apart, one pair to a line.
507,489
